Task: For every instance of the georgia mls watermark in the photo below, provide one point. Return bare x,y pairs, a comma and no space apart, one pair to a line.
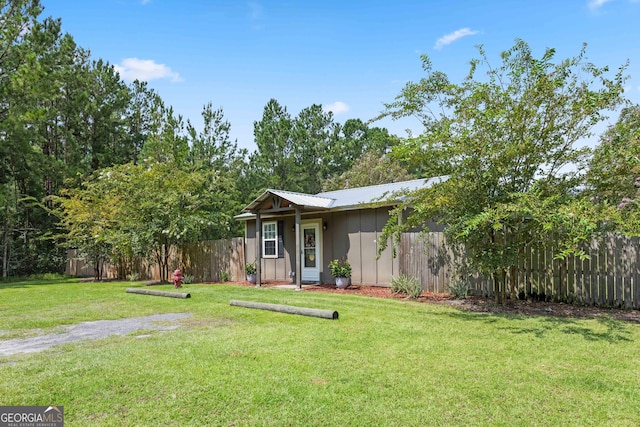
31,416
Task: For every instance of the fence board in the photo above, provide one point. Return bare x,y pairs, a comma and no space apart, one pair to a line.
625,272
596,267
586,279
635,269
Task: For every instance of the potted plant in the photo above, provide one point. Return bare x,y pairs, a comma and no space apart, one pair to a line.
341,270
250,269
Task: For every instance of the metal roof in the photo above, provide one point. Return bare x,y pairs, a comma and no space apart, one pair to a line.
392,192
347,198
300,199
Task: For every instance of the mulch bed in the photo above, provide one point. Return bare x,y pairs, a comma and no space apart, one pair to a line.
480,304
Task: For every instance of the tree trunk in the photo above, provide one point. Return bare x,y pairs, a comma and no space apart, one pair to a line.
514,283
5,248
503,294
5,239
165,263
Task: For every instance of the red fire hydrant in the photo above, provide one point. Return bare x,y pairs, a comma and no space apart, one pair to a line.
177,278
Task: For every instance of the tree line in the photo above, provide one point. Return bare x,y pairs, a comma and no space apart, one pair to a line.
89,161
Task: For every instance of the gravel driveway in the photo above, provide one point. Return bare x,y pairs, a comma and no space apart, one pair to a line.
91,331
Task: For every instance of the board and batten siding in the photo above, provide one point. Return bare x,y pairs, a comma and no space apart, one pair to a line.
352,234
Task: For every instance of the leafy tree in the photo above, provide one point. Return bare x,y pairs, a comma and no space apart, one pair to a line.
89,216
130,211
273,165
214,155
32,55
168,142
355,139
372,168
64,117
614,173
508,143
315,137
142,111
212,147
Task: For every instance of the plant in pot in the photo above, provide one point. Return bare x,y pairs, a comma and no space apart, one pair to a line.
341,270
250,269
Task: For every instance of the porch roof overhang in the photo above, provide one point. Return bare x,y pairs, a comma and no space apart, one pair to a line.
272,201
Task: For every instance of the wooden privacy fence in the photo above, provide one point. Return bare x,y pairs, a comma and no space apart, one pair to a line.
610,277
206,261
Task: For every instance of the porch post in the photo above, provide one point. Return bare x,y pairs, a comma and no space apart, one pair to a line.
298,252
258,250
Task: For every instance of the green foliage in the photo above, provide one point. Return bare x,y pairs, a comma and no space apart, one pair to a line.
273,164
133,277
314,134
340,268
507,142
370,169
407,285
188,279
144,210
225,276
614,174
460,290
250,268
301,153
63,116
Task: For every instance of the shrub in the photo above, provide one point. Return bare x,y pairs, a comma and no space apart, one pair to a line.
225,276
250,268
188,278
133,277
459,290
340,268
406,285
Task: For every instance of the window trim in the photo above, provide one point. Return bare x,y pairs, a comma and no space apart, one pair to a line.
274,239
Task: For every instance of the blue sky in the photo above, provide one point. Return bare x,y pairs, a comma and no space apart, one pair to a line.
349,56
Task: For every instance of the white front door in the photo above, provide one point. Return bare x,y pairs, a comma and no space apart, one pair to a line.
311,250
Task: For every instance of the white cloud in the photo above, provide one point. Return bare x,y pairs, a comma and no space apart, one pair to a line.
451,37
256,10
337,107
131,69
595,4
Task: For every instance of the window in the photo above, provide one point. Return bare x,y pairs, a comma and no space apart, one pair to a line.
270,240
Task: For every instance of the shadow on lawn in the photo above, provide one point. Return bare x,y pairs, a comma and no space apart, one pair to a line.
615,330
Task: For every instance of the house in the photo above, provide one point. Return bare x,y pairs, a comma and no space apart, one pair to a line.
295,235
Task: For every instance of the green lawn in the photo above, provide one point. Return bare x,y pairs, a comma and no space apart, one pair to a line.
384,362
